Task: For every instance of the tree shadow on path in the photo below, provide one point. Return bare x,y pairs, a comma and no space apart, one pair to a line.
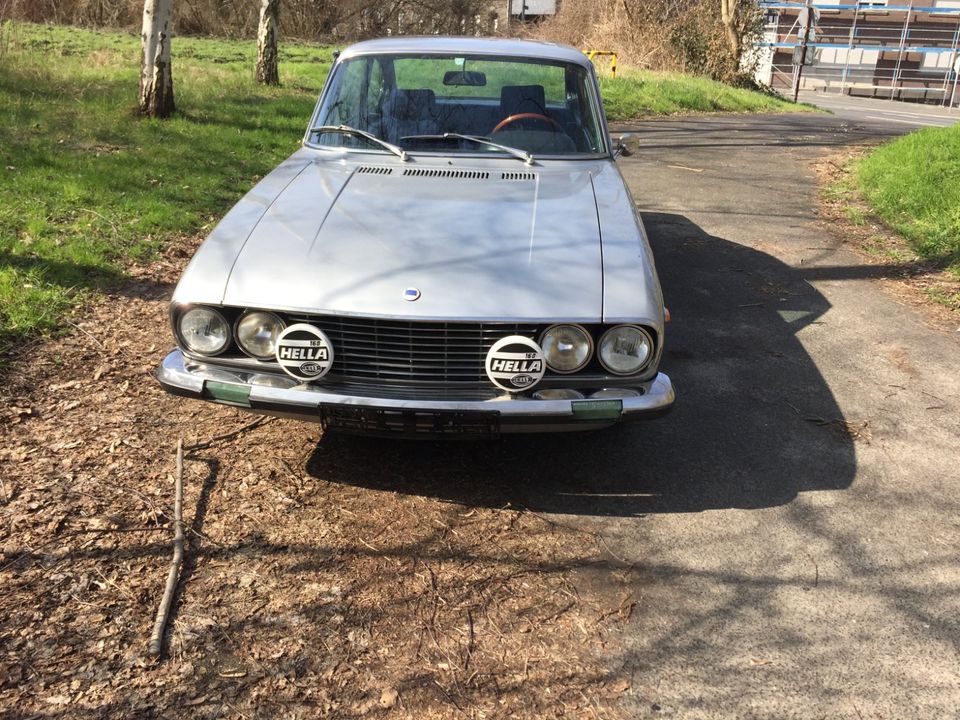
755,422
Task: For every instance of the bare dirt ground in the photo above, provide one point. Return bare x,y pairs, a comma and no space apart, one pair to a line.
302,595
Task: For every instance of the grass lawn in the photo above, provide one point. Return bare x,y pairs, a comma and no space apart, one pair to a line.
86,187
639,93
913,184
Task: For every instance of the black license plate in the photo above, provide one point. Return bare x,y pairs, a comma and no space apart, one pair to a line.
399,421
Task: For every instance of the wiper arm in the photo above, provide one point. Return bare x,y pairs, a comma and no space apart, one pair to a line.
515,152
347,130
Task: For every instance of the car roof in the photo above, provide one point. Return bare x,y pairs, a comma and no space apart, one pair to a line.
440,45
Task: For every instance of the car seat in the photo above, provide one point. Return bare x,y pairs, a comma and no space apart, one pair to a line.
516,99
409,112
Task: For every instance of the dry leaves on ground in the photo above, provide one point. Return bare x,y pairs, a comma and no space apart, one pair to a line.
325,577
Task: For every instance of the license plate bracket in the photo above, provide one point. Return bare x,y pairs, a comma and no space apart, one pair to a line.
368,420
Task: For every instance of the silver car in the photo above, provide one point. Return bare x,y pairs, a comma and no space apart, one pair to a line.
451,251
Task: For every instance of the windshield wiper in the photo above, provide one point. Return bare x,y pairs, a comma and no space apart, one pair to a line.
347,130
515,152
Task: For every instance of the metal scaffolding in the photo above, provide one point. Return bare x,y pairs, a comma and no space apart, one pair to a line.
905,52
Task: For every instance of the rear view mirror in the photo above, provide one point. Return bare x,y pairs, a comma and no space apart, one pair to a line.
622,148
464,77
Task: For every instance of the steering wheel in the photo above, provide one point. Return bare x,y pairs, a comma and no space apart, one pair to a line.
527,116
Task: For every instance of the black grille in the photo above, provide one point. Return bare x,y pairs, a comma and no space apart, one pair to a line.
398,350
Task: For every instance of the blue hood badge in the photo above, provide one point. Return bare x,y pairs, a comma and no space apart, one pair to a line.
411,294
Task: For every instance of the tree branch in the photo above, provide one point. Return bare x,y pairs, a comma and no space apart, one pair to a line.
163,612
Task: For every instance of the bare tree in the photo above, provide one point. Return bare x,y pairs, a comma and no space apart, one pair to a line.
731,15
267,72
156,76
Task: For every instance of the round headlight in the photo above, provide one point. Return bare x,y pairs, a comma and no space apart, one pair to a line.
567,348
204,330
257,333
625,349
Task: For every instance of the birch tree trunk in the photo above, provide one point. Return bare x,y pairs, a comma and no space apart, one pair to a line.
729,17
266,71
156,78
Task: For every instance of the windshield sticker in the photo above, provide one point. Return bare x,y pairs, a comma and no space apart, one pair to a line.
304,352
515,363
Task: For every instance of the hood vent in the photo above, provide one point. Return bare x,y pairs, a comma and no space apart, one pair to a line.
445,173
373,170
517,176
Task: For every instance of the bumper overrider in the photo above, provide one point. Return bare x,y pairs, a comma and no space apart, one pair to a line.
363,411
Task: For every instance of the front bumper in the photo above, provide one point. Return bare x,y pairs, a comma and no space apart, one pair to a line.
365,412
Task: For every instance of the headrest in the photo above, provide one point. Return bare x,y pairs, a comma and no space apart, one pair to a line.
516,99
413,103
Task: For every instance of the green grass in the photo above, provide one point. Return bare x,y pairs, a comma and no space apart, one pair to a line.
913,185
86,187
639,93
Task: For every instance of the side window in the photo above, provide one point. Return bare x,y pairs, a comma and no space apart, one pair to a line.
586,110
375,88
346,109
374,99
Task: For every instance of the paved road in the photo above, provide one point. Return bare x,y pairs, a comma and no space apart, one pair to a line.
872,112
790,532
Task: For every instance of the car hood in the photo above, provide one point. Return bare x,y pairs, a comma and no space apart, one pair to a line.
477,244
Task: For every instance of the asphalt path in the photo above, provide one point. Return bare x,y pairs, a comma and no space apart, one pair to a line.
872,111
784,542
790,532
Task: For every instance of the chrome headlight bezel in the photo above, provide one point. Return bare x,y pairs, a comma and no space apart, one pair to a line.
646,361
237,336
182,337
587,337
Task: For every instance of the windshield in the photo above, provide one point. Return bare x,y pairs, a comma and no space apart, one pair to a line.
539,106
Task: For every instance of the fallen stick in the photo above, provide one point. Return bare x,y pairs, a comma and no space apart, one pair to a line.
233,433
163,612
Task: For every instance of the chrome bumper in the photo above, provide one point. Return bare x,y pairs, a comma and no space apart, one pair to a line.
278,395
